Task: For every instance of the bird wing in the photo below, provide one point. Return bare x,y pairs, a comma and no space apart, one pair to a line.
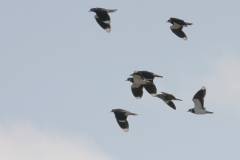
179,33
104,16
178,21
105,26
198,98
170,103
122,120
147,75
124,125
137,90
151,88
169,95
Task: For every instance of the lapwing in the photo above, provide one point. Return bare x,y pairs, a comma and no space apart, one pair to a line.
177,27
121,117
198,100
139,82
167,98
148,75
102,17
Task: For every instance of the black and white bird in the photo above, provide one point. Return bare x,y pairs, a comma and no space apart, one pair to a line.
143,79
148,75
167,98
121,117
102,17
177,27
198,100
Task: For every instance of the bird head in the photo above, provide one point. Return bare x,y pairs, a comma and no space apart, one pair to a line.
130,80
92,10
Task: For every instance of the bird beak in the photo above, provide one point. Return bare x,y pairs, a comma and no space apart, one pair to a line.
90,11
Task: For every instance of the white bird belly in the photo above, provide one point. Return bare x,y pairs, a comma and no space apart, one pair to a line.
139,81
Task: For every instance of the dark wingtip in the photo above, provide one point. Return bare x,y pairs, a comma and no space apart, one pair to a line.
172,105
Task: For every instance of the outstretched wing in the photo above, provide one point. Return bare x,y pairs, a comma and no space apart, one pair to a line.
147,75
122,120
137,90
151,88
171,104
178,21
104,17
198,98
104,25
179,33
170,96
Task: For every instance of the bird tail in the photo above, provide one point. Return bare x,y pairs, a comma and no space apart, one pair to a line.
112,10
209,112
178,99
188,23
155,75
134,114
130,113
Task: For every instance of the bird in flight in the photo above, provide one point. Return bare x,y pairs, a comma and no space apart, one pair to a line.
167,98
143,79
198,100
177,26
102,17
121,117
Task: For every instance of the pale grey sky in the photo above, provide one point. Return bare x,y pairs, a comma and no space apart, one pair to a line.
61,75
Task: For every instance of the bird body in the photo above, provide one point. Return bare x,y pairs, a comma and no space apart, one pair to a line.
178,22
198,100
143,79
147,75
138,79
177,26
102,17
167,98
121,117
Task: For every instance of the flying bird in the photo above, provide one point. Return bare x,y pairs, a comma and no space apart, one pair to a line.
143,79
167,98
148,75
102,17
198,100
121,117
177,27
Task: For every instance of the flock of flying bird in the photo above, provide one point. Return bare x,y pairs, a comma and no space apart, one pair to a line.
144,79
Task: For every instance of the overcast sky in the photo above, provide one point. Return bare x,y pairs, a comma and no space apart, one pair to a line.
62,74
